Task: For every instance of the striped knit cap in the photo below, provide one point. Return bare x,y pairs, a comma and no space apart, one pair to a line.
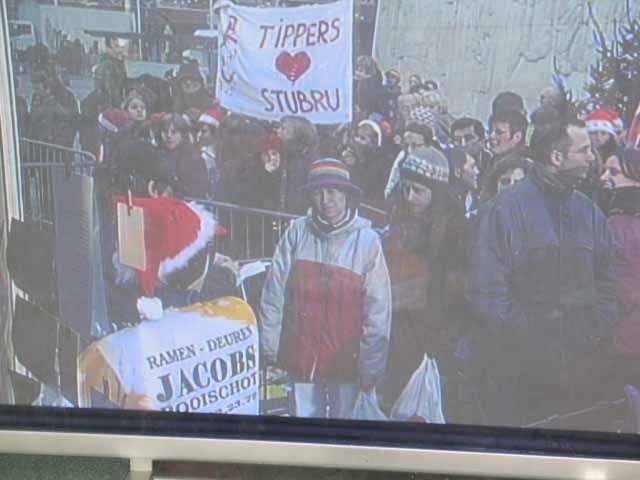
330,173
426,165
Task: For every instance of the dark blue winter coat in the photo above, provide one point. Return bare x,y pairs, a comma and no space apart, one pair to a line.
542,284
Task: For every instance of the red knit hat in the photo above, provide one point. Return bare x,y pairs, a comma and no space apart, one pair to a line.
212,116
174,233
604,120
269,142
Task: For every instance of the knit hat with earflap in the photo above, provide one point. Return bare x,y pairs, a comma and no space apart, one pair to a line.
426,166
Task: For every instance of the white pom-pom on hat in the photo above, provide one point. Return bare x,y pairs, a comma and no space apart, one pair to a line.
150,308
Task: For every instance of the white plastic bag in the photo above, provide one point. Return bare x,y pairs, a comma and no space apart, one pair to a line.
422,397
366,407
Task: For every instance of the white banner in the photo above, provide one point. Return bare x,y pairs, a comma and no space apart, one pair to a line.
287,61
202,358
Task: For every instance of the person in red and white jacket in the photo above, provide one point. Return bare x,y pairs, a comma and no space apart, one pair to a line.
325,312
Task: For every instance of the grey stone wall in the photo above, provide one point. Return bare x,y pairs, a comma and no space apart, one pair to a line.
477,48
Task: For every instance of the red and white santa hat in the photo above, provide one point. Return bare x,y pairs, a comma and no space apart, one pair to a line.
114,119
212,116
604,120
174,232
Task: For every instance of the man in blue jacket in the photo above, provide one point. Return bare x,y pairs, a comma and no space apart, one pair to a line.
541,283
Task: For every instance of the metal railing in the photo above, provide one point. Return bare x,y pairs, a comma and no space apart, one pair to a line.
253,233
38,159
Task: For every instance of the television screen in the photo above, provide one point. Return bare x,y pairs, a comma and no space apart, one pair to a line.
418,220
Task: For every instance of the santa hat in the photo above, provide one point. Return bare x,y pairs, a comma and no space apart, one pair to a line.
269,142
375,127
618,125
114,119
212,116
604,120
174,233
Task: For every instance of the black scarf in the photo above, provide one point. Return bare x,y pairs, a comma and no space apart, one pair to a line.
554,183
625,200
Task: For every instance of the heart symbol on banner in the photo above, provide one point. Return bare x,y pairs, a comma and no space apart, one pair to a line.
293,66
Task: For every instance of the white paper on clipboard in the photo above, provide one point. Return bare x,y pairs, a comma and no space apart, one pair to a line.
131,246
249,270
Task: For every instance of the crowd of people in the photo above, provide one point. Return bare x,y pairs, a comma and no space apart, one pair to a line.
510,255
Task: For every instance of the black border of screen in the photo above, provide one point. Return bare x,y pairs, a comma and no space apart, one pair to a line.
453,438
417,436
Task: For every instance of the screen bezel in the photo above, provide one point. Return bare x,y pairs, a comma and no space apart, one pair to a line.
453,449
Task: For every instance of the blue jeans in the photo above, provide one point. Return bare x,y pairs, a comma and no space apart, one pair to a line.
323,400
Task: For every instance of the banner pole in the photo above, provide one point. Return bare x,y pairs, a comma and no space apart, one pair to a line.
355,14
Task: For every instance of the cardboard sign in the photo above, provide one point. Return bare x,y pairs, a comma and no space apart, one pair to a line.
202,358
131,249
287,61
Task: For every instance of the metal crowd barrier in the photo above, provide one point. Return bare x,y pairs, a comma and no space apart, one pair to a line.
253,233
37,161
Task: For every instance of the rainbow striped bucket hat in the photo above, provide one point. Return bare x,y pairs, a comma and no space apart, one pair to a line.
330,173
